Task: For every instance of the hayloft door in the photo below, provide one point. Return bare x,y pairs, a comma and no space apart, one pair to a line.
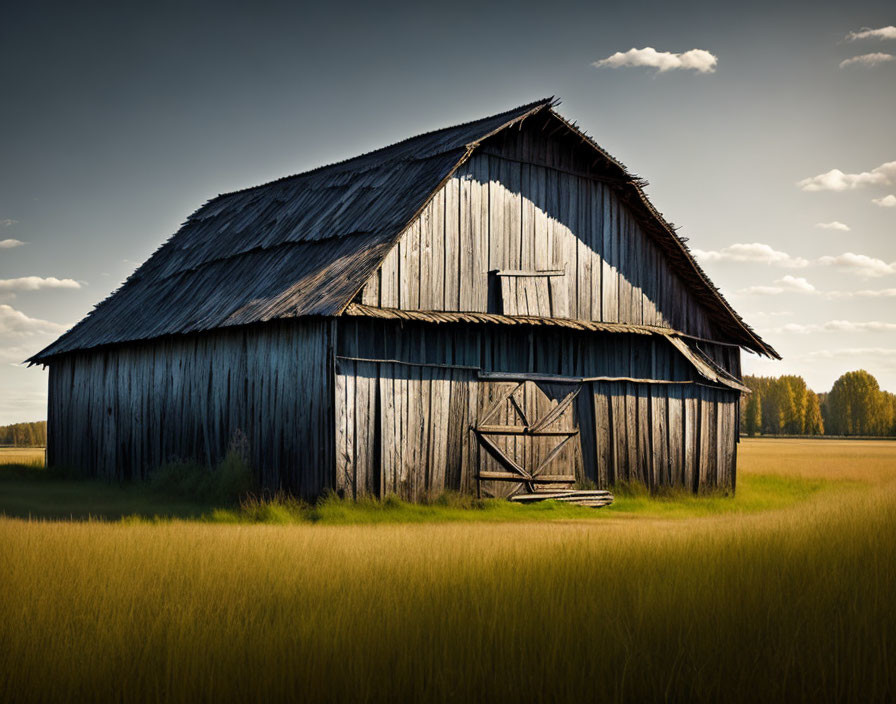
528,436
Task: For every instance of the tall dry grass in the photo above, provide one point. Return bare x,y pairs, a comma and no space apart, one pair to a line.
28,456
786,605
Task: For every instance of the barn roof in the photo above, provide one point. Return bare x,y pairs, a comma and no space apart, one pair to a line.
304,245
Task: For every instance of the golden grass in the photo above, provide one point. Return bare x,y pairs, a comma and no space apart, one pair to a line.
863,460
32,456
789,604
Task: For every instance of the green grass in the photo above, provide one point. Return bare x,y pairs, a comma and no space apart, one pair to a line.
33,492
190,492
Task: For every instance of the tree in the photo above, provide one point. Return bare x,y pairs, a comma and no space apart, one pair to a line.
24,434
856,405
814,422
752,414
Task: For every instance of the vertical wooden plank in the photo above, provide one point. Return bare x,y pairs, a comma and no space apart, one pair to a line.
389,280
511,175
622,470
706,474
582,306
452,242
623,290
468,214
692,448
595,247
645,436
545,255
676,431
660,437
559,303
637,271
425,298
609,273
527,219
387,429
363,422
480,232
437,273
345,425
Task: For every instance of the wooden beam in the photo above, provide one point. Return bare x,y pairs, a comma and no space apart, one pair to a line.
521,430
512,477
529,272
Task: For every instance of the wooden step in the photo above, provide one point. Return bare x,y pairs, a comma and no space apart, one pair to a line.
592,498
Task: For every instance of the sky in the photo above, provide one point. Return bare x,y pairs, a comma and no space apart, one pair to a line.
765,129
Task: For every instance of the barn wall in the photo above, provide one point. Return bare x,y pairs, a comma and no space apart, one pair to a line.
523,204
120,412
403,425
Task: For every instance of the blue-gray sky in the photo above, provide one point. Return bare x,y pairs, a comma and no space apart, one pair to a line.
116,123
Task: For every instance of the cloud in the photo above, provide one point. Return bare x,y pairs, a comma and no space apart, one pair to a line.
866,33
860,264
864,293
834,225
885,202
9,244
34,283
758,253
787,284
836,180
15,324
837,326
752,252
875,59
24,334
8,222
694,60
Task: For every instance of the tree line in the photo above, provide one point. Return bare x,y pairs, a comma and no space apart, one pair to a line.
24,434
784,405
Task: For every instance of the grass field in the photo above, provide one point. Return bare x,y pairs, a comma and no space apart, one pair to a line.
782,593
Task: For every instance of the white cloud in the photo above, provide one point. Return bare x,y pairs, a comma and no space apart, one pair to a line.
9,244
837,326
860,264
879,33
885,202
875,59
836,180
695,60
8,222
787,284
33,283
752,252
834,225
796,283
15,324
24,334
864,293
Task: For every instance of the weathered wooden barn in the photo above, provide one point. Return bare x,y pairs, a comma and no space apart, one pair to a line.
488,307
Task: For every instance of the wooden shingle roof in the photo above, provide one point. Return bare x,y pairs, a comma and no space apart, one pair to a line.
303,245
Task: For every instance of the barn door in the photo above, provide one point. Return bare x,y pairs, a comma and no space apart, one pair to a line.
528,437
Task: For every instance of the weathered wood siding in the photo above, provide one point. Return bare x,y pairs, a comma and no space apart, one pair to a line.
404,423
120,412
526,203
